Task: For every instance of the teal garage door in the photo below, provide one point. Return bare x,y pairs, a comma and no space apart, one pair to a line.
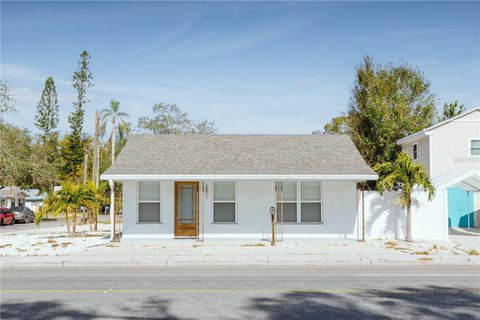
460,208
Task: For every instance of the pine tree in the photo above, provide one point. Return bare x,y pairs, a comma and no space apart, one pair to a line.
46,119
73,145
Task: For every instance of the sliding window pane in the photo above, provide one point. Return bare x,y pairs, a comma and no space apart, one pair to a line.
148,212
286,191
149,191
311,191
289,212
311,212
224,212
224,191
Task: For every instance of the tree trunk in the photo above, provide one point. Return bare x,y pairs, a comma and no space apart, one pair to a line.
95,220
113,139
85,172
409,221
67,222
74,221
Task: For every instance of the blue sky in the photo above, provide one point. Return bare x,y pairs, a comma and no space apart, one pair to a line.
252,67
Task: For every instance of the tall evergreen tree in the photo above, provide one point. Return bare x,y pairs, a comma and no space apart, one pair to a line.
73,146
388,102
46,119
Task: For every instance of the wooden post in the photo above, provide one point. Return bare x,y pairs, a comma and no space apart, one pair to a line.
272,214
112,210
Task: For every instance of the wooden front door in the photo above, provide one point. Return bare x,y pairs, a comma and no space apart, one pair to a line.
186,209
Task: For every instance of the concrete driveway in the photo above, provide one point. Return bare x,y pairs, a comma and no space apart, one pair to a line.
468,238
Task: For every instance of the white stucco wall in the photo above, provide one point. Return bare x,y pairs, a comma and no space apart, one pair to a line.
386,219
253,200
450,145
423,146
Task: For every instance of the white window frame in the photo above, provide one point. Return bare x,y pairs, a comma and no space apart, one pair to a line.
149,201
415,151
224,201
299,202
470,147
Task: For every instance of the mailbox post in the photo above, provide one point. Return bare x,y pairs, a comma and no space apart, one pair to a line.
272,215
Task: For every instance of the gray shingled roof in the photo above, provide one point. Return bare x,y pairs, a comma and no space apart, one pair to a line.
239,155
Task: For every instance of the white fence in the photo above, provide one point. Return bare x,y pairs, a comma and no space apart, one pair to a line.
386,219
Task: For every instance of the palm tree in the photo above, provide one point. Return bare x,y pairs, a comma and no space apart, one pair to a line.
115,116
67,200
94,198
404,174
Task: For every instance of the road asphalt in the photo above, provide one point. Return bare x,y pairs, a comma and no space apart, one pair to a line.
240,293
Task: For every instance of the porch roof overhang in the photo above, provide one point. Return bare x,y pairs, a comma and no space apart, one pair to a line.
468,181
268,177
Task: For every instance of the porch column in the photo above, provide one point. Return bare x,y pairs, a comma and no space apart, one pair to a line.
112,210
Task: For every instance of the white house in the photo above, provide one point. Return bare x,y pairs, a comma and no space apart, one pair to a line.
450,150
222,186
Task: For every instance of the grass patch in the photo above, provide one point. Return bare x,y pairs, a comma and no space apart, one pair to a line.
253,245
400,248
21,250
422,252
474,253
54,245
66,244
391,244
51,240
425,259
5,245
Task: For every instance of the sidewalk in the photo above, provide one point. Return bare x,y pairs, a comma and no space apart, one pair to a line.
230,253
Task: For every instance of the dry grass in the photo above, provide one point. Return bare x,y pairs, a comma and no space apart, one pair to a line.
425,259
253,245
391,244
422,252
54,245
5,245
474,253
51,240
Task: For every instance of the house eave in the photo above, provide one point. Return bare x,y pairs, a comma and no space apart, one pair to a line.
414,137
184,177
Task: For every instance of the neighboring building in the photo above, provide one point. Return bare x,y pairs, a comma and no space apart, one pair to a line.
222,186
35,199
7,197
31,198
449,150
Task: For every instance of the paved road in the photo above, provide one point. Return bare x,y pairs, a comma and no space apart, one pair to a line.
20,226
49,223
241,293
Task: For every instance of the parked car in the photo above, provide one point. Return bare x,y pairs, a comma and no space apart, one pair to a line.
23,214
6,216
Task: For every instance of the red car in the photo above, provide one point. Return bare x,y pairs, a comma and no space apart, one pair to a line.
6,216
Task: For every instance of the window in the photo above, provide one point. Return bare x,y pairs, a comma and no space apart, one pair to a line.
299,202
475,147
224,202
149,202
286,201
415,151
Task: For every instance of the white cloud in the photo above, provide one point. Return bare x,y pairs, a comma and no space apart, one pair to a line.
410,32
